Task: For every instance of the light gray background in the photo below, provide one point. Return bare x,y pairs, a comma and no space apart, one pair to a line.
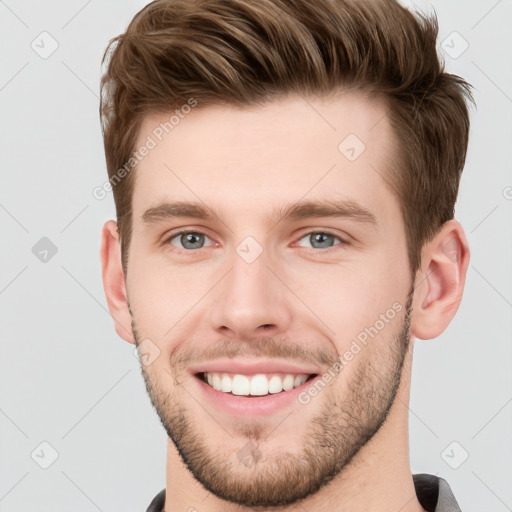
66,377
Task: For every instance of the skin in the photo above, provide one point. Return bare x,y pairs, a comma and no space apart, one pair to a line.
301,300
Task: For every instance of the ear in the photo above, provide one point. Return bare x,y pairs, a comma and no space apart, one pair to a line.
440,283
114,282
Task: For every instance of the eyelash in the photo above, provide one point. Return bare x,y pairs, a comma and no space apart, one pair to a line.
167,241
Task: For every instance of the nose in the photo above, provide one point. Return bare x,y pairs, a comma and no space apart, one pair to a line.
251,301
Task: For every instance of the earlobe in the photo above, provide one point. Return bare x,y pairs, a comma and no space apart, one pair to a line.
114,282
440,284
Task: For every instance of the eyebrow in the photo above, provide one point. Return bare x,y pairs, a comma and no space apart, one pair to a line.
294,211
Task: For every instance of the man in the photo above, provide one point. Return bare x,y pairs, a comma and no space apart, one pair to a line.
285,174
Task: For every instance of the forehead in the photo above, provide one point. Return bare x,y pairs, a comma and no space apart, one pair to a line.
257,159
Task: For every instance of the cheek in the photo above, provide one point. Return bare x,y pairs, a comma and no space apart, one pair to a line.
355,290
164,298
356,303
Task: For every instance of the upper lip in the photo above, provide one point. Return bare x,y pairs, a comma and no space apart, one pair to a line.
247,367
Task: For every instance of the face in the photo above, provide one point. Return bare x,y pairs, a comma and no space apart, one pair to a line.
301,267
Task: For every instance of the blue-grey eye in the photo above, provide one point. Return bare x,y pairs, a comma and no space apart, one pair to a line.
321,239
189,240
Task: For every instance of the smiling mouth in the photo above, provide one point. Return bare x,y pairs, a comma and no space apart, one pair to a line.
252,386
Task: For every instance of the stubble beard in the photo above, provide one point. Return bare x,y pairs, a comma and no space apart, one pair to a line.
345,423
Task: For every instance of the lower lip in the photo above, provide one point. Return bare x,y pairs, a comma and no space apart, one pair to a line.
239,405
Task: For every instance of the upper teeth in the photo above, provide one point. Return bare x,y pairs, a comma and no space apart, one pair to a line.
258,384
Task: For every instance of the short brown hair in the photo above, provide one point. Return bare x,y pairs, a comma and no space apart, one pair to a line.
247,52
